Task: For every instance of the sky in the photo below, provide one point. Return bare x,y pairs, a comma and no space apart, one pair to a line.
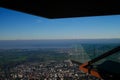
21,26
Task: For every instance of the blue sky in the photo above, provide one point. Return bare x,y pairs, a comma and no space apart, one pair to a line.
20,26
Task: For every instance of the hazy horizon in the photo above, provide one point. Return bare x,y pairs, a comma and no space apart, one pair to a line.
62,39
54,43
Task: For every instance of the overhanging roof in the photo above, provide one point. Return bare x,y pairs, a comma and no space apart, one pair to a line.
64,8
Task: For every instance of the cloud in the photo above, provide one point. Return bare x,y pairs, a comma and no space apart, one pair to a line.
39,21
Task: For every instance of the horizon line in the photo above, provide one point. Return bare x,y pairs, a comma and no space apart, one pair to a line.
61,39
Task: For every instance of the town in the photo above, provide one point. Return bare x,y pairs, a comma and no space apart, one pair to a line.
50,70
